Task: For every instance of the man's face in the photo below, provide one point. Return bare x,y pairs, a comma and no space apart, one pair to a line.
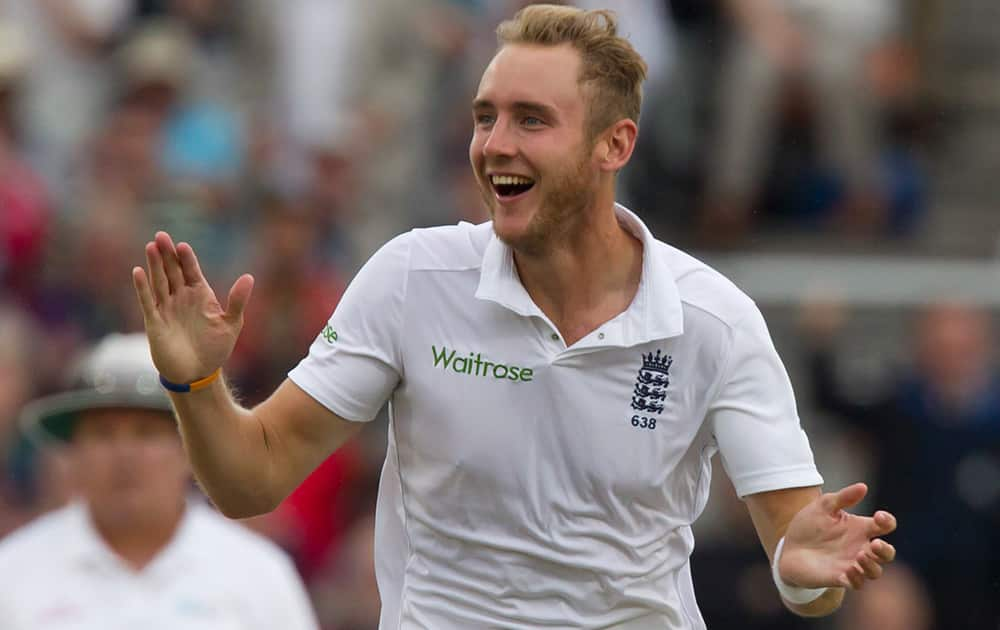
955,344
529,152
129,465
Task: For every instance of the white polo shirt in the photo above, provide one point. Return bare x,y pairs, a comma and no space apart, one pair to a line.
58,574
529,484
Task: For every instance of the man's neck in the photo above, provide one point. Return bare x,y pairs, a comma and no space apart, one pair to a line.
138,543
587,277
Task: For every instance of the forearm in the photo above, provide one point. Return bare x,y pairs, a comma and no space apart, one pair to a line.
228,450
771,513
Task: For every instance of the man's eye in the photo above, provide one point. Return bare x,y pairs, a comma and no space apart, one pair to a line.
531,121
484,119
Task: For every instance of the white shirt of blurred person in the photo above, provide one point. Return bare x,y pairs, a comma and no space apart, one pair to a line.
558,381
131,551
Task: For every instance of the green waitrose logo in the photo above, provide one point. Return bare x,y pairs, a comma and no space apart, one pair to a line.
329,334
475,365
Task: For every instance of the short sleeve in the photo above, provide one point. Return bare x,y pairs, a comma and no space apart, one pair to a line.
754,417
354,364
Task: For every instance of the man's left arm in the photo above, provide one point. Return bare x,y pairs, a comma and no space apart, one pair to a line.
767,456
824,545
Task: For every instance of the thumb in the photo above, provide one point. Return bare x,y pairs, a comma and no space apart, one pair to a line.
239,295
845,497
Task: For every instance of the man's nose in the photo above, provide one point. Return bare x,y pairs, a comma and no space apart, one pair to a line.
126,446
500,142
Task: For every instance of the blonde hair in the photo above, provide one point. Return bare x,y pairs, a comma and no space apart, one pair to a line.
611,66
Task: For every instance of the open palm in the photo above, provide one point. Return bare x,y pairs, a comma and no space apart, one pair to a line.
827,546
190,333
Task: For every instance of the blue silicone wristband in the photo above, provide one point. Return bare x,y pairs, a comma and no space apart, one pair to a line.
180,388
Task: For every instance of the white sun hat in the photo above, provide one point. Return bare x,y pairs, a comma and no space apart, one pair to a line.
117,373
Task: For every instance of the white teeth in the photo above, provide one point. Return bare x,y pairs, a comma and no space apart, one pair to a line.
509,180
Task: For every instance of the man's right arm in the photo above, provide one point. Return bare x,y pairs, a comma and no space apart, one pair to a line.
246,460
249,460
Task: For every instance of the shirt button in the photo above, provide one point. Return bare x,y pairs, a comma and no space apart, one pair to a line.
555,336
600,335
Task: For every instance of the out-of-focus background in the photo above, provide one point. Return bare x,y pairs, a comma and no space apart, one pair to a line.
839,160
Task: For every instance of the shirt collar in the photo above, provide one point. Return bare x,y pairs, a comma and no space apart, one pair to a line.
91,550
655,312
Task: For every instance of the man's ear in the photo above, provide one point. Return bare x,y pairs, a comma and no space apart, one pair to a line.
617,144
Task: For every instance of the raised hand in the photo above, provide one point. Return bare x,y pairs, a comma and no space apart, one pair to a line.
190,334
827,546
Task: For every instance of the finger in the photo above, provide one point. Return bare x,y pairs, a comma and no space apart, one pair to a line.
144,293
171,265
883,551
881,524
856,576
189,264
157,277
845,497
869,566
239,295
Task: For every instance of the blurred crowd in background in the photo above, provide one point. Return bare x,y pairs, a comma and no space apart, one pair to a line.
290,139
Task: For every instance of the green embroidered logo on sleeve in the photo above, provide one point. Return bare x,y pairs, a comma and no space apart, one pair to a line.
329,334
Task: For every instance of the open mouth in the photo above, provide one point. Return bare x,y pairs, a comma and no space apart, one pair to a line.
510,186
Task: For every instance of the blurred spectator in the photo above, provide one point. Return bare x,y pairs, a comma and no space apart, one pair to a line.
201,139
131,552
822,48
294,294
317,99
25,214
330,194
935,440
664,178
199,144
219,73
17,384
77,293
69,81
414,44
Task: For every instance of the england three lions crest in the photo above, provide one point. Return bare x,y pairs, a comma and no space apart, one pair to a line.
651,384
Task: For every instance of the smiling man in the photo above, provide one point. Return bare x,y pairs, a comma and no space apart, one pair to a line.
563,496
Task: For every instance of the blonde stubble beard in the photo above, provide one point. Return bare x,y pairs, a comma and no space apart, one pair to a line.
571,193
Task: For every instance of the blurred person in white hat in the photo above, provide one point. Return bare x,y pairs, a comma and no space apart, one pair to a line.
157,59
132,550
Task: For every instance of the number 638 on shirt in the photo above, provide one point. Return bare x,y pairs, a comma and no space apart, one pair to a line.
643,422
